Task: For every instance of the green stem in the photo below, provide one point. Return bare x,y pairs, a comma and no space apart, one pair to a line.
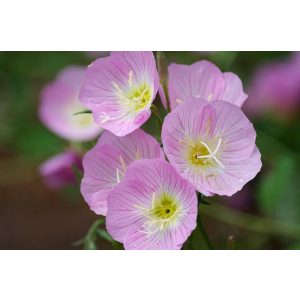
163,71
157,115
253,223
166,91
203,231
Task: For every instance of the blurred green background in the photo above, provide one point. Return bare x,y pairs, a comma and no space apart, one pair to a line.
264,215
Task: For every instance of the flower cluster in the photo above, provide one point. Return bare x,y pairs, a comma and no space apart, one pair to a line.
148,193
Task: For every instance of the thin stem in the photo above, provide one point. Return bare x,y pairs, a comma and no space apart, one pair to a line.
253,223
201,226
203,231
163,71
157,115
166,91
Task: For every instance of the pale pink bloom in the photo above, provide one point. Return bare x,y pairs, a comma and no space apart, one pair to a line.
152,208
105,165
202,80
120,89
275,87
212,145
59,104
59,170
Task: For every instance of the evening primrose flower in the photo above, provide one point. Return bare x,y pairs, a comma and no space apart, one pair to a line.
152,208
105,165
120,89
58,172
202,80
60,103
212,145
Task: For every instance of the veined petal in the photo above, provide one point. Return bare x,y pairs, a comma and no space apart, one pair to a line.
205,142
234,90
120,89
202,80
105,165
152,208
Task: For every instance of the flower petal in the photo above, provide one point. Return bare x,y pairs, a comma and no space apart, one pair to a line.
59,103
108,87
224,127
202,80
58,170
234,90
126,220
105,165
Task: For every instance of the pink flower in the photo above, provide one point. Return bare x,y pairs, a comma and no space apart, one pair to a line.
105,165
276,88
212,145
152,208
58,170
59,103
205,81
120,89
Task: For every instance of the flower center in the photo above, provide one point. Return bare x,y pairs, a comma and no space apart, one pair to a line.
135,96
164,208
139,97
84,120
202,155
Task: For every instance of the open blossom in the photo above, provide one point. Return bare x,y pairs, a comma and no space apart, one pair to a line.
212,145
120,89
276,88
58,171
59,103
105,165
205,81
152,208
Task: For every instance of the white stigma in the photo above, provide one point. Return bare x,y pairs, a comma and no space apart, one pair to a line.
212,154
118,175
105,117
118,172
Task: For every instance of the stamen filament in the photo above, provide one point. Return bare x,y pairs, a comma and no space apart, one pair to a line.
123,163
212,154
118,175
